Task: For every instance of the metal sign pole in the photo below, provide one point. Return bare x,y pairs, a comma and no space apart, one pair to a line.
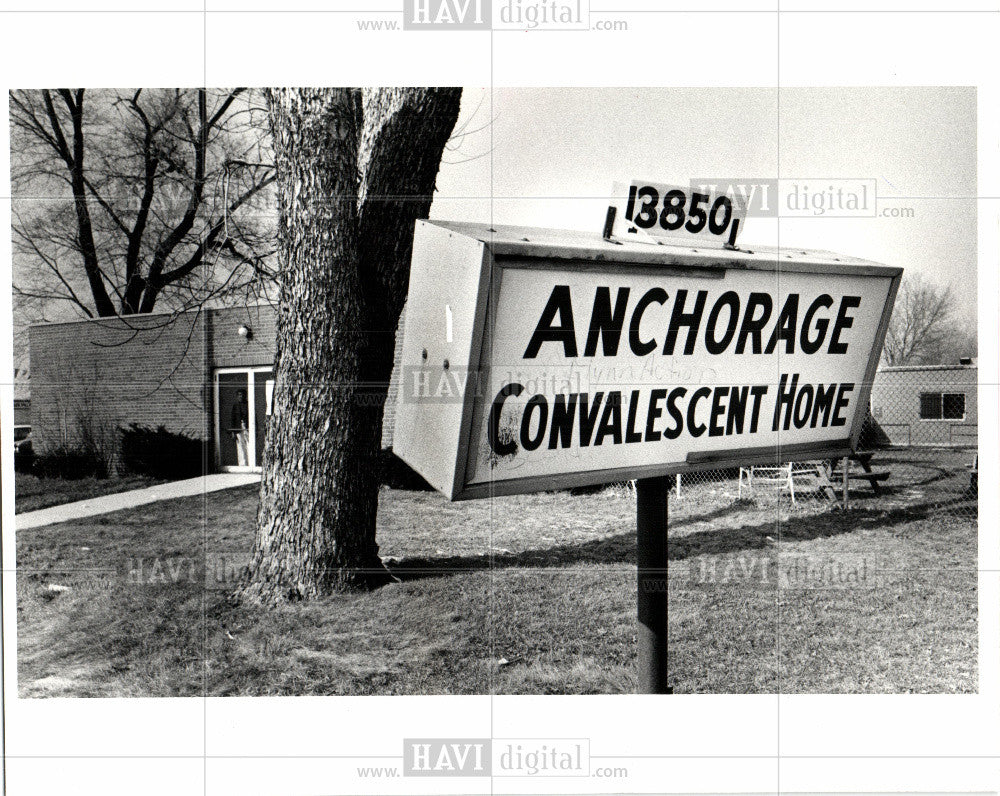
652,495
845,465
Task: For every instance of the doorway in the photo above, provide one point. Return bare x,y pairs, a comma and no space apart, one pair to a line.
242,410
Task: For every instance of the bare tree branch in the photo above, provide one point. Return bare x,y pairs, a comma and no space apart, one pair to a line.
921,326
143,196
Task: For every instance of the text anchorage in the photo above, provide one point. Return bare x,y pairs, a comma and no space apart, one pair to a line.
750,327
753,320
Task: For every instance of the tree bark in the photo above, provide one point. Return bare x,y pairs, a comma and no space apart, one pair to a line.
354,171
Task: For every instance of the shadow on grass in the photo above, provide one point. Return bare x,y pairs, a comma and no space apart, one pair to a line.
620,549
936,475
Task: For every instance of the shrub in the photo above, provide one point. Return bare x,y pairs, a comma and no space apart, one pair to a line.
71,463
159,453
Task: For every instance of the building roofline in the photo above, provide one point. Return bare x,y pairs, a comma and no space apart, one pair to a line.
125,318
904,368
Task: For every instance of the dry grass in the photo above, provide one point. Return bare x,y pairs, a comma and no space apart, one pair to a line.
32,493
530,594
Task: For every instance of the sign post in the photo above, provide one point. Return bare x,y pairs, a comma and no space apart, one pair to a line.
652,496
537,359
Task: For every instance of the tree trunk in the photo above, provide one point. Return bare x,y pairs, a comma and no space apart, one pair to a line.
341,158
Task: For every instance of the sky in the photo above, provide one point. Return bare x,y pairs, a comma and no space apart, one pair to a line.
548,158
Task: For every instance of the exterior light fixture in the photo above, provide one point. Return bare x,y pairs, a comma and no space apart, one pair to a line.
245,332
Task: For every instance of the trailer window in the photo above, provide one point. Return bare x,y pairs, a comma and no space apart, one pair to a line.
942,406
953,406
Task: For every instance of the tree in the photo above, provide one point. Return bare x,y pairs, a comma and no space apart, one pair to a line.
154,197
355,170
922,330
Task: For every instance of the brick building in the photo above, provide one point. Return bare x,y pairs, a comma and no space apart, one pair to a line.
184,371
927,404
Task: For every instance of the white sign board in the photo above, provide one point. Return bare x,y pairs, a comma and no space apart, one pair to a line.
575,361
647,211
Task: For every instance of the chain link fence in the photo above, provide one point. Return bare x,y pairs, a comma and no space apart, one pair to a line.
899,474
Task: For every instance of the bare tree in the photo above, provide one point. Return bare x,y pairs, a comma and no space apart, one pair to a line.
355,170
128,199
922,330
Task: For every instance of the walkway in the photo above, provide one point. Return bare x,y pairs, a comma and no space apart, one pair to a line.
137,497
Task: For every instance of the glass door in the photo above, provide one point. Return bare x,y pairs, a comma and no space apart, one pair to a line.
242,408
263,388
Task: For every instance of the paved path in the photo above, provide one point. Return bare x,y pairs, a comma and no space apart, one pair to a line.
137,497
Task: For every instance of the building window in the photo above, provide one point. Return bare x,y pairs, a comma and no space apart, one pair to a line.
942,406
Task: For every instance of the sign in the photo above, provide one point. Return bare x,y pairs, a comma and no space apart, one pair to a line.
650,211
538,359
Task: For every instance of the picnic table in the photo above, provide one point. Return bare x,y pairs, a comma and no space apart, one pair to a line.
821,476
864,459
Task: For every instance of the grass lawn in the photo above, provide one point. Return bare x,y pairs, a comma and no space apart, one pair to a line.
529,594
31,492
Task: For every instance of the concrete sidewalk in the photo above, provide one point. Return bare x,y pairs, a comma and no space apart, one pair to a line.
137,497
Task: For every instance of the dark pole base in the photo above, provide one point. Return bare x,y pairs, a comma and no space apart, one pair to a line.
652,597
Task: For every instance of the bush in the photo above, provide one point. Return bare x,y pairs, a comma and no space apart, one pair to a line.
159,453
71,463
